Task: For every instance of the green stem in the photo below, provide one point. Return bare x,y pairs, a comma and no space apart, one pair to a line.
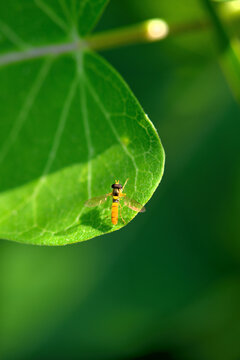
229,51
147,31
158,29
179,29
144,32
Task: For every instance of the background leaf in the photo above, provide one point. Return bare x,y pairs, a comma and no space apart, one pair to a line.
74,128
223,0
228,42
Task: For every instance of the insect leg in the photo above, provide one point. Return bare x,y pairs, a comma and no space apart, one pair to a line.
125,184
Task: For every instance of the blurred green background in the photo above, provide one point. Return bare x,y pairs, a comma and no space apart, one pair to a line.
167,286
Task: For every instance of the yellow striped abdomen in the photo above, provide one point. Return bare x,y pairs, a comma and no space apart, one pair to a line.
114,213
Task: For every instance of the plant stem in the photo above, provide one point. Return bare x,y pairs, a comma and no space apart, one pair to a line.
147,31
179,29
229,50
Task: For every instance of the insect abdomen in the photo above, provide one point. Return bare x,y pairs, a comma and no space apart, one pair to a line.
114,213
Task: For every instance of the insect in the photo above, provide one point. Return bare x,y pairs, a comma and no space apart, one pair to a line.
117,195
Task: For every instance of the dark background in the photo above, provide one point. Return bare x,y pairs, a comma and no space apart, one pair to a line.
167,285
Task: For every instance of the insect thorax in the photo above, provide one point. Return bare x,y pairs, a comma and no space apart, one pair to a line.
115,192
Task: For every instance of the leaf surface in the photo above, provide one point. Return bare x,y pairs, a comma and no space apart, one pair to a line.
69,127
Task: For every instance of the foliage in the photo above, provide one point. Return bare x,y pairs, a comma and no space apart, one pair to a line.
70,126
168,285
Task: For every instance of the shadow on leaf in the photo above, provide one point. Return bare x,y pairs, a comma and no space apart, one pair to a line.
92,219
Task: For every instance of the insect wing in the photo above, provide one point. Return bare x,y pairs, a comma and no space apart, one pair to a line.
134,205
95,201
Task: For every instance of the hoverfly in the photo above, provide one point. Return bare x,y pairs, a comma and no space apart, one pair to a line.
117,195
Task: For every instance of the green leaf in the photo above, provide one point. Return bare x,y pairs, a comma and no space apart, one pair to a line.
69,127
26,23
229,50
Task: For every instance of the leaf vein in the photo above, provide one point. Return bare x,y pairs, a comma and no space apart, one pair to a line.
90,149
108,118
52,15
22,117
56,143
12,36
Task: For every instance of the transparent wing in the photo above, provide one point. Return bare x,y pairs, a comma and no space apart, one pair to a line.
133,204
95,201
